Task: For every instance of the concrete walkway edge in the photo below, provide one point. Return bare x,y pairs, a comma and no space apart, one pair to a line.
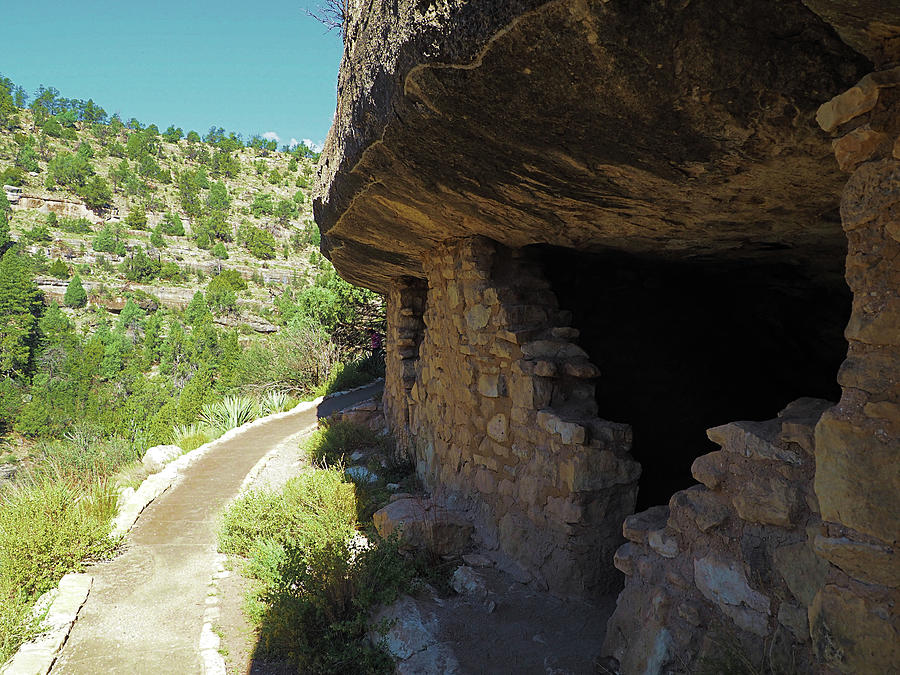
36,657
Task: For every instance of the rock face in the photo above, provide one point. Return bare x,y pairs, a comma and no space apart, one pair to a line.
471,137
582,124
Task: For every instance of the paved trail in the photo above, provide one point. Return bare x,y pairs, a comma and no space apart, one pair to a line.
145,611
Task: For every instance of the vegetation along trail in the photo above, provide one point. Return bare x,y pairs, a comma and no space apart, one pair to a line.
145,611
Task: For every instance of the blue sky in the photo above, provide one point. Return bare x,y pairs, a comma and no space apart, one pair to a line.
249,67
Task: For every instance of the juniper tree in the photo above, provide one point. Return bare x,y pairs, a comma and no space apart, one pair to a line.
75,295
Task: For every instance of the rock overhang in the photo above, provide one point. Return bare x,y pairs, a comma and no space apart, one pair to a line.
670,130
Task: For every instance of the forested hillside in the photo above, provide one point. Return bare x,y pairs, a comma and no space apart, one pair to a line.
155,287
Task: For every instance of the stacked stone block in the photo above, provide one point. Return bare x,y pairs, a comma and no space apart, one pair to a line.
405,330
855,624
725,575
785,555
502,422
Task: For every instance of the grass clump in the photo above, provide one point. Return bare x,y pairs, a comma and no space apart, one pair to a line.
275,401
314,588
334,442
229,413
50,524
191,436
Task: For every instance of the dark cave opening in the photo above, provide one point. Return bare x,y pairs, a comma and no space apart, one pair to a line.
685,346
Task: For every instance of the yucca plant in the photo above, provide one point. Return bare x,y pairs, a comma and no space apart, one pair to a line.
230,412
274,401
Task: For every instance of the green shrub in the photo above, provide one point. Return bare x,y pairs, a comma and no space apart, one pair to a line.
313,593
348,375
59,269
49,526
17,625
297,359
312,510
73,225
172,225
86,453
258,242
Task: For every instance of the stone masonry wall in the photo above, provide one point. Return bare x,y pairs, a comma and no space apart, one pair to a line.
497,407
726,572
405,331
784,556
855,617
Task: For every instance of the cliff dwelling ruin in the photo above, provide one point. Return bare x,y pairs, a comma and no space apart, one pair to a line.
609,234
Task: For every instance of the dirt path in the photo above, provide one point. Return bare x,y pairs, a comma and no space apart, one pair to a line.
145,611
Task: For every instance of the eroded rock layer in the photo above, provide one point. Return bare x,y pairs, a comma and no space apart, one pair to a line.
643,127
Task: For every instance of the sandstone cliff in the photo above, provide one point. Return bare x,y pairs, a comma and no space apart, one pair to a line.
605,227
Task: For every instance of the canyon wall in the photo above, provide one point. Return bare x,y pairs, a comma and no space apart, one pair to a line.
518,179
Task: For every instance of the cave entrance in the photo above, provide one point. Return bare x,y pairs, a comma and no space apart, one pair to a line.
685,346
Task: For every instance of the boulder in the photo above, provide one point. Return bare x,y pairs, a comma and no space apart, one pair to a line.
156,458
422,524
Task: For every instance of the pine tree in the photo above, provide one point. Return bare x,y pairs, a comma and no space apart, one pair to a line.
75,294
55,329
20,308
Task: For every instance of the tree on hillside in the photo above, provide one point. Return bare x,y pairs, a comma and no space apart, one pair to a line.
136,218
96,193
220,297
8,110
69,170
59,269
55,329
172,225
218,199
285,209
105,240
5,210
20,308
258,242
26,158
263,205
197,310
139,266
156,238
75,295
219,251
173,134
